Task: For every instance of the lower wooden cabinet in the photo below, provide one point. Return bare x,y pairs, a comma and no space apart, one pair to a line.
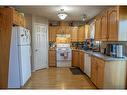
81,60
78,59
108,74
97,75
52,57
94,70
75,56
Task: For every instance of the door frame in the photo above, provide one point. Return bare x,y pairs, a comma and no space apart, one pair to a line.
32,44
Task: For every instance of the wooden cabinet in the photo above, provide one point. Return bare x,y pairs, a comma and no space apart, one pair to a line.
18,18
108,74
52,57
104,26
54,30
81,60
117,21
64,30
100,73
5,38
94,70
97,72
75,58
52,33
74,32
78,59
98,28
87,32
68,30
81,34
110,25
113,17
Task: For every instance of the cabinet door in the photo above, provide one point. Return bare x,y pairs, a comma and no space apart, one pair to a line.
5,38
81,57
74,31
81,34
100,73
104,28
80,60
94,70
75,58
52,58
67,30
87,32
98,29
52,33
49,34
61,30
113,24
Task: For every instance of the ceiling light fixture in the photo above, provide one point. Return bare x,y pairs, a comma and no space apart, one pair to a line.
62,15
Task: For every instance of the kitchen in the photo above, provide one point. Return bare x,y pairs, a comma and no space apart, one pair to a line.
93,44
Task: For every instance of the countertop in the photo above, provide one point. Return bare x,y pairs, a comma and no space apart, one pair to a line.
102,56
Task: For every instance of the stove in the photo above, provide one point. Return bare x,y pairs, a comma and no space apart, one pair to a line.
64,55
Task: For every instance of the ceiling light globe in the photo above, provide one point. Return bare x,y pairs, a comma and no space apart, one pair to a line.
62,16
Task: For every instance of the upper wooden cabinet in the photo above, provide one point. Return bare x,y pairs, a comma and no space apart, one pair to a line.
111,24
117,21
64,30
18,18
113,21
98,28
52,33
87,32
104,26
74,32
81,34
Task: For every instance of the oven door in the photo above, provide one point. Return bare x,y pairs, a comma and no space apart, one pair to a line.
63,55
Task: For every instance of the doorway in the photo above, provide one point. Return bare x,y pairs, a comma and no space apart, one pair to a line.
40,46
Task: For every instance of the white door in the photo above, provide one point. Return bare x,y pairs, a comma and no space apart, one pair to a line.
40,47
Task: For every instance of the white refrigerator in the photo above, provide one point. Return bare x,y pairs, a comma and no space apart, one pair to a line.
20,57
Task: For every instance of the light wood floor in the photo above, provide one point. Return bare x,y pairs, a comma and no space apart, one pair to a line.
58,78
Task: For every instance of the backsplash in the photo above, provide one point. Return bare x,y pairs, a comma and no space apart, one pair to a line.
104,44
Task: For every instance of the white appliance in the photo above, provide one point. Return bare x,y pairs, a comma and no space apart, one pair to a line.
87,64
20,57
119,51
64,55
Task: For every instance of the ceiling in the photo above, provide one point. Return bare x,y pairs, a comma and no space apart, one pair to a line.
75,13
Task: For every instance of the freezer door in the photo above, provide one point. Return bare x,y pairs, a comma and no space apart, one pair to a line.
22,39
28,37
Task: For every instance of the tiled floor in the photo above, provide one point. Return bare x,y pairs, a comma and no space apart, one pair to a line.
58,78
